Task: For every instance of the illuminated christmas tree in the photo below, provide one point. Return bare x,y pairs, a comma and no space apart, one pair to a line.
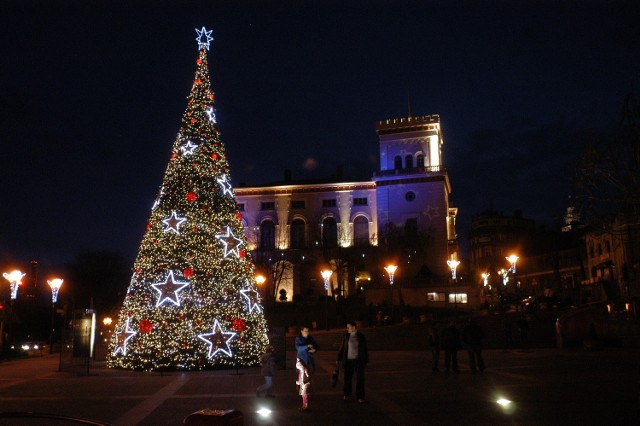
192,302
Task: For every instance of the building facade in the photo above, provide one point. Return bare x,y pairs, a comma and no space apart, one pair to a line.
402,215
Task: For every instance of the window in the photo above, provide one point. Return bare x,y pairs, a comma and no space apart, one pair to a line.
457,298
397,162
360,231
297,205
436,297
329,232
360,201
241,207
420,161
297,234
410,196
329,203
267,235
408,161
411,228
268,205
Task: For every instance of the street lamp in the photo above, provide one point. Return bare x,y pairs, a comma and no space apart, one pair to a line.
453,265
485,279
55,285
512,260
260,279
391,269
326,275
15,279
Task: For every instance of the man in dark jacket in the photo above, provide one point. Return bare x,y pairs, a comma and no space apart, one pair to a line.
450,341
472,336
354,356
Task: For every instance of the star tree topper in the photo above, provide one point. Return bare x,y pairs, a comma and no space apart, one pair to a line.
169,290
231,243
217,340
122,338
204,38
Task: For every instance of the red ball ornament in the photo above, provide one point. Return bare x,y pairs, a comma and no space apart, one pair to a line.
239,216
145,326
239,325
198,61
193,120
191,196
198,81
214,156
174,155
188,273
211,96
243,254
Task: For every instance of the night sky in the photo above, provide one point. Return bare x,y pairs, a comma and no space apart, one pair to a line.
93,96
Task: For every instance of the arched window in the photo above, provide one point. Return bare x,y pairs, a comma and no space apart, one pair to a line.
267,235
329,233
297,234
397,162
360,231
408,162
420,161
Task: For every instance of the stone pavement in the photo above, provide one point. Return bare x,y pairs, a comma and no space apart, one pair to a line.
547,386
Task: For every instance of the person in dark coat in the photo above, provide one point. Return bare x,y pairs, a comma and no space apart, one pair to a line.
472,336
268,361
450,343
434,346
353,356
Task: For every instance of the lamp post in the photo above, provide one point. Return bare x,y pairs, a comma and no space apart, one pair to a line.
15,280
55,285
512,259
391,270
260,280
453,265
326,275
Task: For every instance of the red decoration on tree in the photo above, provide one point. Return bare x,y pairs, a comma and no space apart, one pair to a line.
198,81
214,156
243,254
188,273
191,196
199,61
174,155
239,216
193,120
145,326
239,325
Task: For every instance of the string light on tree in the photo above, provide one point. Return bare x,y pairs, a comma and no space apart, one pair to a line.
218,340
253,299
122,338
226,186
231,243
188,148
212,115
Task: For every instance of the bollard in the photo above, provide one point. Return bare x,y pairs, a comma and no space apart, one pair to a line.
208,417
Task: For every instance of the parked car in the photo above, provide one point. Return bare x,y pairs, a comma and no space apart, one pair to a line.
31,348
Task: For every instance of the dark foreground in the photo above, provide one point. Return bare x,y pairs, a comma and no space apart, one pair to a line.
547,386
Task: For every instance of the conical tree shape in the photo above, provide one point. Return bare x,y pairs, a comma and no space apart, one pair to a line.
192,301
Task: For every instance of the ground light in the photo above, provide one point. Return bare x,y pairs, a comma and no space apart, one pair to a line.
264,412
507,406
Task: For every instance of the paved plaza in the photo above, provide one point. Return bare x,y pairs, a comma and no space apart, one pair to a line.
547,386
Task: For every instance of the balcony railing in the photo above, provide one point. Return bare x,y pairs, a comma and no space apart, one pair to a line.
410,171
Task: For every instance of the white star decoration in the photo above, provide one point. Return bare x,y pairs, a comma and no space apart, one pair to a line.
212,115
156,203
226,186
231,243
122,338
169,290
253,299
216,340
188,148
204,38
173,222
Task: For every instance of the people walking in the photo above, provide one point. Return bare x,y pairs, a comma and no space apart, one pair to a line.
450,343
268,362
434,346
472,336
353,356
305,348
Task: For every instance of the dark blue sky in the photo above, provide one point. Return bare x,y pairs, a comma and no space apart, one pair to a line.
93,97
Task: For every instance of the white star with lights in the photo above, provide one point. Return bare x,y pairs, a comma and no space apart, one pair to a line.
212,115
253,299
231,243
169,290
204,38
122,338
188,148
173,222
217,339
226,185
156,203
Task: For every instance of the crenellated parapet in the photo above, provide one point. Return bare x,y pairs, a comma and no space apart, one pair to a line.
408,124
